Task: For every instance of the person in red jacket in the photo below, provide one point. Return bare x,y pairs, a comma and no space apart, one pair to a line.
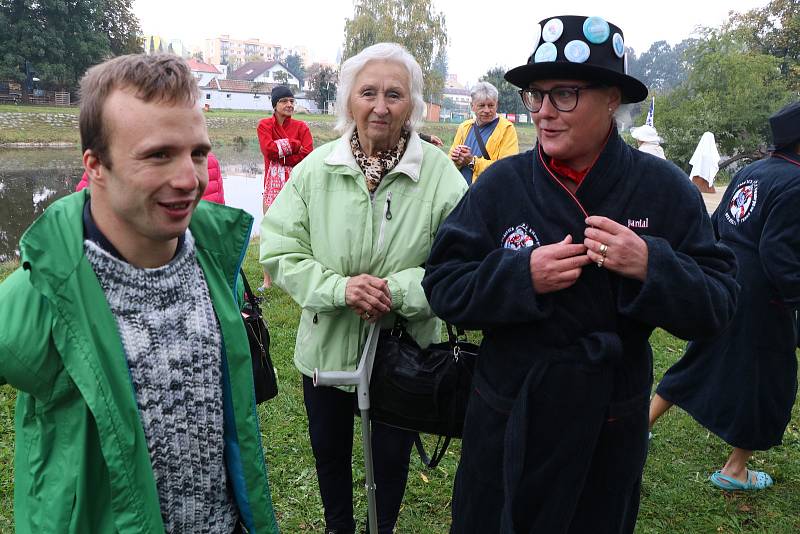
214,191
284,142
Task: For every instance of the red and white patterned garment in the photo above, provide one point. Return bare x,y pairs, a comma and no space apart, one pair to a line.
283,147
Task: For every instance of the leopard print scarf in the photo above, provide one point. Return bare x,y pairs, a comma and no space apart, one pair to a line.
377,166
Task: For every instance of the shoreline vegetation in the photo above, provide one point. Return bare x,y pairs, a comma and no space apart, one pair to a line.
57,127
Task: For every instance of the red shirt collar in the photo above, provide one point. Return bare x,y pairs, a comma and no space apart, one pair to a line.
571,174
568,172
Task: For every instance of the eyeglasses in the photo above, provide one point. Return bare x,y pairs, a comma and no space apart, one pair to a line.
562,98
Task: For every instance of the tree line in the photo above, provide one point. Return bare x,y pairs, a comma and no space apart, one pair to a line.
57,40
728,80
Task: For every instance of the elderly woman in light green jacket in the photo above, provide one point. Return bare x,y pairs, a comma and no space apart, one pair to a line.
347,239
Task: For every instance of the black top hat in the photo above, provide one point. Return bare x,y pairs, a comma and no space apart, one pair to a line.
583,48
785,125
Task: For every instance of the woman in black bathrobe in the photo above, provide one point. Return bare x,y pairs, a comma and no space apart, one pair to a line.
567,257
741,384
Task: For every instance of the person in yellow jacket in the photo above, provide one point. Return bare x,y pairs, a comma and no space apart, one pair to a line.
497,133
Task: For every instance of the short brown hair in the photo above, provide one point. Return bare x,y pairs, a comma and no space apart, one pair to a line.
156,78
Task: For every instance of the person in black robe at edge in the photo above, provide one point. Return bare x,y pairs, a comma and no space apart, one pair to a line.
741,384
567,257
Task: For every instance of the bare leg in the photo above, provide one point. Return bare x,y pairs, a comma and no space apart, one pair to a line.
658,405
736,466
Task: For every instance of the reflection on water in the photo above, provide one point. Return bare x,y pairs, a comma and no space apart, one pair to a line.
31,179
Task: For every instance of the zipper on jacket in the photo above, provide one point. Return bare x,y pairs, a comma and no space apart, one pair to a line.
387,216
315,320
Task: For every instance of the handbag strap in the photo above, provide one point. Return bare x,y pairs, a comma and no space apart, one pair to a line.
479,140
248,293
438,453
453,336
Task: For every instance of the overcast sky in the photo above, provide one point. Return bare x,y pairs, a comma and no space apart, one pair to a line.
482,33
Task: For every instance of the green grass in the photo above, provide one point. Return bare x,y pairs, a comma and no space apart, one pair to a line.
676,496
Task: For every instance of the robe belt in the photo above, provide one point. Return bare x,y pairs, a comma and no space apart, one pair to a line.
596,348
599,349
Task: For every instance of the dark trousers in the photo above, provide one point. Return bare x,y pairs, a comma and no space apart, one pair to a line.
581,472
330,425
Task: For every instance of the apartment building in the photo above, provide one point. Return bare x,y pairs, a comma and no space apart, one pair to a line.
223,50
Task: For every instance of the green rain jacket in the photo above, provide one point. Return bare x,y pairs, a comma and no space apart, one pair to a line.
323,228
81,459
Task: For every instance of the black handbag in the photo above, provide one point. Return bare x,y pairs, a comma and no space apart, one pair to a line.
264,379
422,390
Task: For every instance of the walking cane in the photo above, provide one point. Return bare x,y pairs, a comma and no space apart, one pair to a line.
360,378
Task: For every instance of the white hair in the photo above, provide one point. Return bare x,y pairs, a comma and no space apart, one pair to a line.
484,91
379,52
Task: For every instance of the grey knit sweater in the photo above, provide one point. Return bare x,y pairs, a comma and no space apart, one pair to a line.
173,345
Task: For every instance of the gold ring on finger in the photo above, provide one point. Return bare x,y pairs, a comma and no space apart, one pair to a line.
603,249
601,261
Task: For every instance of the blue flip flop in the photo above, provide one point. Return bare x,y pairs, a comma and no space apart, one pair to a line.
756,480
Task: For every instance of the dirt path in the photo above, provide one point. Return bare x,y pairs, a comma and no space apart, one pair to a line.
712,199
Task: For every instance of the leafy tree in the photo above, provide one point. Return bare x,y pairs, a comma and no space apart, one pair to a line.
508,100
663,67
61,39
294,64
774,30
730,91
121,27
323,81
438,74
281,77
412,23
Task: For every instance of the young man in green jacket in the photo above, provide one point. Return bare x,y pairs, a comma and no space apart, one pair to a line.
121,330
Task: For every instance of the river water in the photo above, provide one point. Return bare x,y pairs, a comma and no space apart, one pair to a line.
33,178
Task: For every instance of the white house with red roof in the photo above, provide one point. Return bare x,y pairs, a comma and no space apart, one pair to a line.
272,72
245,94
203,72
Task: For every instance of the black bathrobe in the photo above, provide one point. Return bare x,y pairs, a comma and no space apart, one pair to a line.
741,385
555,437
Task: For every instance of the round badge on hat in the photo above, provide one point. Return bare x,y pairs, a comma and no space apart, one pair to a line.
557,57
546,52
619,45
552,30
577,51
596,30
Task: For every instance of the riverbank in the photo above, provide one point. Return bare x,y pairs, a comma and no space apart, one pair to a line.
37,126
